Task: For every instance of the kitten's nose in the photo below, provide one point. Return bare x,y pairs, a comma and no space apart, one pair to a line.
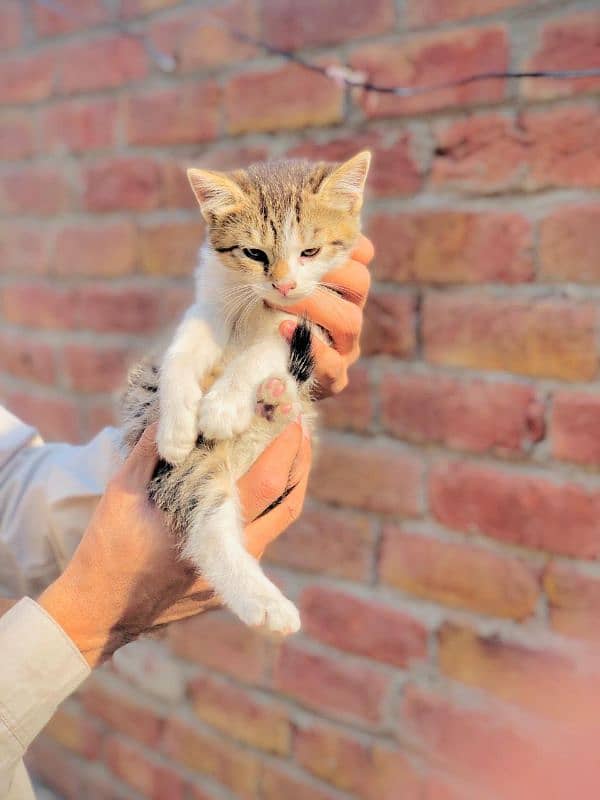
284,288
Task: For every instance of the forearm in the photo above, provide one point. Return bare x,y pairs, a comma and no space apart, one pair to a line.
40,668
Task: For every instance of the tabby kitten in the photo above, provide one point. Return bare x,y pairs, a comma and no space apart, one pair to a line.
273,231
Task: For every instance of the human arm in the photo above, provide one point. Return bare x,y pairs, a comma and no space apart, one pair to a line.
123,580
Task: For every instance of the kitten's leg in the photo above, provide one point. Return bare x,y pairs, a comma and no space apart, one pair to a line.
215,545
191,354
227,409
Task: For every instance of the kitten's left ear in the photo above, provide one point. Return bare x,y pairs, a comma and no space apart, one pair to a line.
345,186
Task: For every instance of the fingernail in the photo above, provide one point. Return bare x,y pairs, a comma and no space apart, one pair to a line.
287,328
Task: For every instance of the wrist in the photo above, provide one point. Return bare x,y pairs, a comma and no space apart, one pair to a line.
78,616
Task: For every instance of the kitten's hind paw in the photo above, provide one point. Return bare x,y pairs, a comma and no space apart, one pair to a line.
276,399
269,609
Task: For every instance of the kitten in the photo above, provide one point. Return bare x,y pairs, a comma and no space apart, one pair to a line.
273,231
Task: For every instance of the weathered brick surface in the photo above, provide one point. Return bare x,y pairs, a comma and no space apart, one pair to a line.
433,59
455,488
458,575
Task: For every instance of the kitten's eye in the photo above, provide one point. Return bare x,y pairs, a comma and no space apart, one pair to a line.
311,252
256,255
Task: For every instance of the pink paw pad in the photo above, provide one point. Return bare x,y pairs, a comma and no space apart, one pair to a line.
273,400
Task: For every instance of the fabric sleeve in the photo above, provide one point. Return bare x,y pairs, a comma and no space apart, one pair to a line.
47,495
41,667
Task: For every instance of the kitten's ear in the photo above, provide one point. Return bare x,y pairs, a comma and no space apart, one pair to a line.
345,186
215,191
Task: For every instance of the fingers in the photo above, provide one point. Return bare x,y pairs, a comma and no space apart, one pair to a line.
342,320
364,250
261,532
352,281
268,478
140,464
331,369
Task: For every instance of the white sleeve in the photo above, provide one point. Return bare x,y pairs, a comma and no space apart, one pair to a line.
47,495
41,667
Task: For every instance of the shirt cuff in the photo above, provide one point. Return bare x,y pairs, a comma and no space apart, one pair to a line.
41,667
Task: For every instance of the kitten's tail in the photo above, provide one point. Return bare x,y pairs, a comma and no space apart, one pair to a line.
301,362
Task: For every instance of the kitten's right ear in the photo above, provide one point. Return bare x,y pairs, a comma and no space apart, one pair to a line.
216,192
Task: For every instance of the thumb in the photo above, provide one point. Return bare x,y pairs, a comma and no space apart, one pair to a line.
140,464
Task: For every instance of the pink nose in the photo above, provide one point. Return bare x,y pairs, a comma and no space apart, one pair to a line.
285,288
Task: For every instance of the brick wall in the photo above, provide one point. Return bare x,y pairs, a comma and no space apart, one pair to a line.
446,563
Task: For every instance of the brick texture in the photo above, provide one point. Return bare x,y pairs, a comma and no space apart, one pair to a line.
446,561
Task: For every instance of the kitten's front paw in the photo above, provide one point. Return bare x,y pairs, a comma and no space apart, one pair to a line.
176,440
270,608
223,417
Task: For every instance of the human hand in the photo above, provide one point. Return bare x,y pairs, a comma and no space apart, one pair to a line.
340,315
125,578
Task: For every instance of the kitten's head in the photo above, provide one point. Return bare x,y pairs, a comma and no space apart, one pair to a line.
280,226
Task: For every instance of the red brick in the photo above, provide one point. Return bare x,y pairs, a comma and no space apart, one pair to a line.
353,409
26,79
505,418
336,543
136,8
96,369
122,713
153,779
363,627
372,477
280,99
170,248
56,419
311,24
73,731
23,247
176,300
11,24
172,116
277,782
475,742
552,338
329,685
567,43
126,309
78,14
389,324
574,601
101,414
430,12
34,190
236,713
524,675
229,156
107,250
543,149
234,650
458,575
16,136
569,244
123,184
27,359
394,169
101,786
76,127
55,767
575,425
332,756
520,509
443,247
176,189
39,306
236,768
431,59
202,40
371,772
104,63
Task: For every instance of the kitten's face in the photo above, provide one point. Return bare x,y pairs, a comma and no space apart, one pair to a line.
279,227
